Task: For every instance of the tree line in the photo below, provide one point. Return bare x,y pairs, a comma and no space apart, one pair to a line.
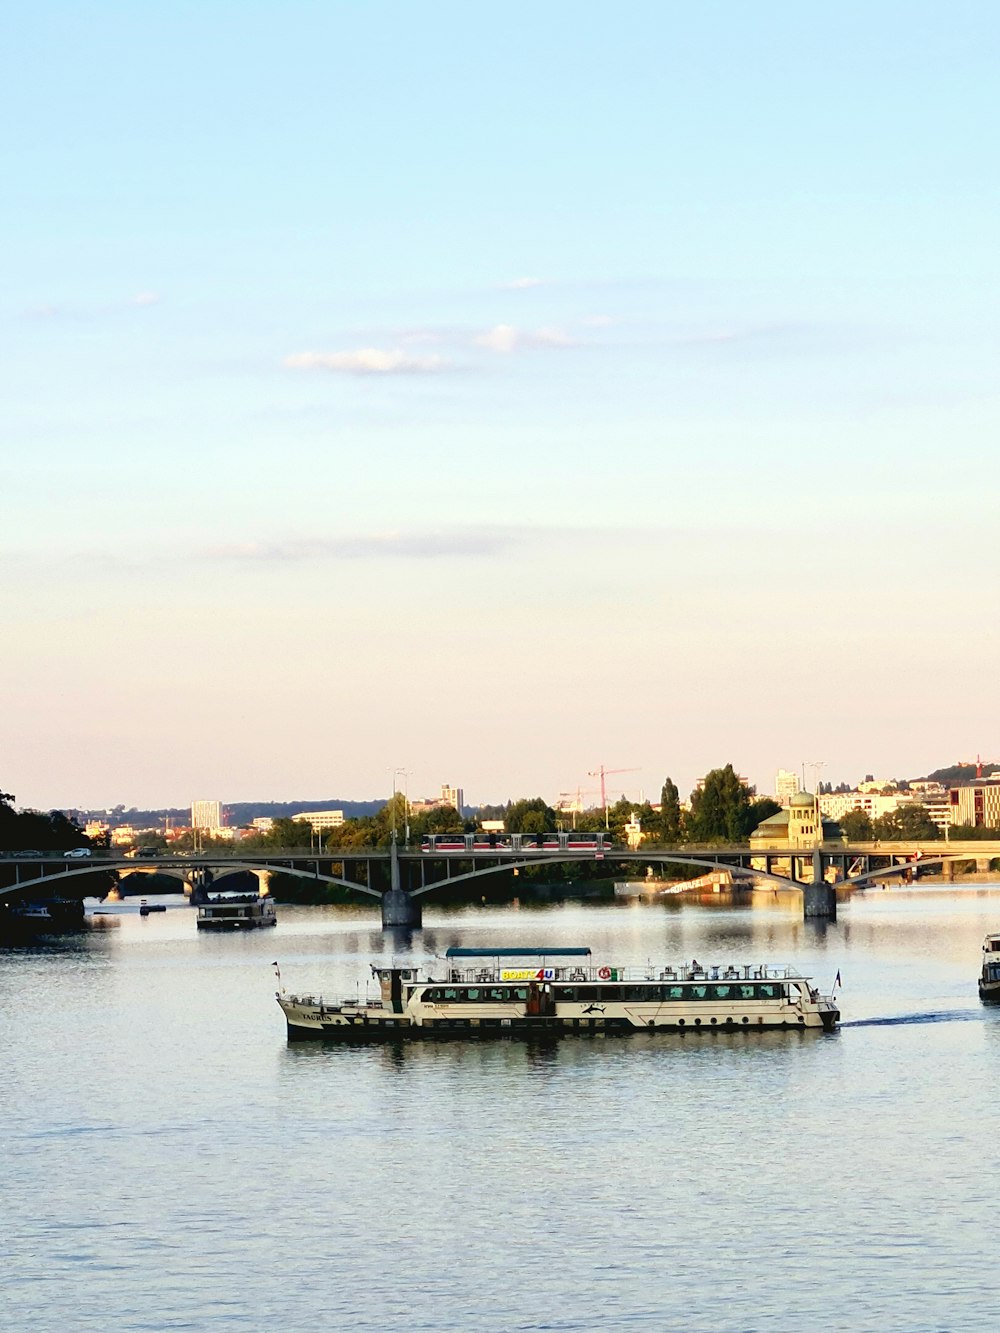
31,830
723,809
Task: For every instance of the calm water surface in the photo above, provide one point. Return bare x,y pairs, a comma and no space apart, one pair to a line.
169,1162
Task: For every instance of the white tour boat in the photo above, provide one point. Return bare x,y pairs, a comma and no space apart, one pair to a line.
526,992
989,976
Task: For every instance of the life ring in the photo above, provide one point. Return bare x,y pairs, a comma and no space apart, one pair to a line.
604,973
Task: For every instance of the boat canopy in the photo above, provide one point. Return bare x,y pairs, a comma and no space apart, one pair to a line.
456,952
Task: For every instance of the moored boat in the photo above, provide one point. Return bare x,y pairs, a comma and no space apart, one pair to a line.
236,911
989,975
556,992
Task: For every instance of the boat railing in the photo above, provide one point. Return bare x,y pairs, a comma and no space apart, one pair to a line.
694,971
318,1002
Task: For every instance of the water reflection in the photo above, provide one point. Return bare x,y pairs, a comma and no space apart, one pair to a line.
711,1181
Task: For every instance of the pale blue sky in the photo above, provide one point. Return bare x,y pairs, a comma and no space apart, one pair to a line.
496,391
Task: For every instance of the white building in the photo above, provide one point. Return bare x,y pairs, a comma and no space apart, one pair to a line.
977,804
786,785
320,820
206,814
453,796
937,804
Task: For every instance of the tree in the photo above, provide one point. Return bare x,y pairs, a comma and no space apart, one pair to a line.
530,816
857,825
907,823
22,830
670,812
442,819
721,809
974,833
762,808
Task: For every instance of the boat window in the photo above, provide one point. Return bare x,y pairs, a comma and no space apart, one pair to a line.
767,992
431,995
723,992
675,992
473,993
566,994
745,992
588,994
698,992
521,993
450,993
635,993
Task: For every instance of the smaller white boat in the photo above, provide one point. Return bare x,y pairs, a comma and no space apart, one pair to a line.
989,977
236,911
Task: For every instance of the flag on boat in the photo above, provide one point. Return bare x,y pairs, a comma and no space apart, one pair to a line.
836,981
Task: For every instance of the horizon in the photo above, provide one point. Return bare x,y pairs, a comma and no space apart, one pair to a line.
637,797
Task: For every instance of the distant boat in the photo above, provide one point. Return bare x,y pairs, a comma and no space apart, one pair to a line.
47,917
236,911
989,976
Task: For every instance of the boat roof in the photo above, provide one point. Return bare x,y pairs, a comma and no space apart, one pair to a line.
456,952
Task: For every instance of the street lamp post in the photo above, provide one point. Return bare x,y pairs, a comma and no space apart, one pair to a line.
404,773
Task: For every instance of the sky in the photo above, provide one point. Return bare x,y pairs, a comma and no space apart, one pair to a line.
495,392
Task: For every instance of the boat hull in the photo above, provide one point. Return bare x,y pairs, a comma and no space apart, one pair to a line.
317,1023
236,925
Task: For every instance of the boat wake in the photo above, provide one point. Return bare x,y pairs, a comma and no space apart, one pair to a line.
899,1020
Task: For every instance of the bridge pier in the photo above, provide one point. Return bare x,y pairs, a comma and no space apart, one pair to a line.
819,899
399,908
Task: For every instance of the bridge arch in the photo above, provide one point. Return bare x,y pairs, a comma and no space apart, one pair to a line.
901,867
60,875
554,858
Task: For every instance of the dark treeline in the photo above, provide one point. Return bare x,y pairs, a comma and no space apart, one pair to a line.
31,830
238,813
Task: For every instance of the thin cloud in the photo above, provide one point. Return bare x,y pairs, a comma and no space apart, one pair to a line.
507,338
435,545
53,311
521,284
368,361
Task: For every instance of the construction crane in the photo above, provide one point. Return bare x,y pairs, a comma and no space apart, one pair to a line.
603,773
577,806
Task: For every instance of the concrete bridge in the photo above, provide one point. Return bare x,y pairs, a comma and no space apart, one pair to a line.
399,878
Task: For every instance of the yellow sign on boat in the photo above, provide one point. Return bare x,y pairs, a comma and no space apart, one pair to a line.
527,974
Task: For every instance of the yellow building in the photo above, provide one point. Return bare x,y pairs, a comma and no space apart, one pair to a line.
799,828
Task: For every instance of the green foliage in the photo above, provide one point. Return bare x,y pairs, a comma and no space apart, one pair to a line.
973,833
957,773
906,823
762,808
670,812
857,826
443,819
721,809
530,816
30,830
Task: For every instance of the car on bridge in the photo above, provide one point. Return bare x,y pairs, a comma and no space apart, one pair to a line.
77,852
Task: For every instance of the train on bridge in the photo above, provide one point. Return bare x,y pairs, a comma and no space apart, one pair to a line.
452,844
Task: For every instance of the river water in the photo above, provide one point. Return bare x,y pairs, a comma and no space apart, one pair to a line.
168,1161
